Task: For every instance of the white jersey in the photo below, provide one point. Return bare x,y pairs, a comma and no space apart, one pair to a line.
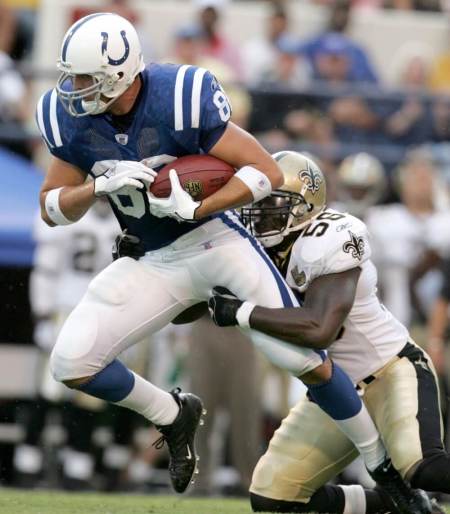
399,240
438,233
67,258
335,242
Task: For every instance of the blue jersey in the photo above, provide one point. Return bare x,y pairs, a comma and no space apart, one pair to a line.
181,110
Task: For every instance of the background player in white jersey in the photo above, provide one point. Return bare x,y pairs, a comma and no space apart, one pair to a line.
325,255
65,261
397,251
114,119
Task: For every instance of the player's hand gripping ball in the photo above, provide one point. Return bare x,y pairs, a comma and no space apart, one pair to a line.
199,175
181,185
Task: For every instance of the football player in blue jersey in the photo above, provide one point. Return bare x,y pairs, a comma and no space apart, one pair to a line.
115,121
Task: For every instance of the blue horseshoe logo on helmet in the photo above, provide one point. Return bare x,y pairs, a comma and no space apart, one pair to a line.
116,62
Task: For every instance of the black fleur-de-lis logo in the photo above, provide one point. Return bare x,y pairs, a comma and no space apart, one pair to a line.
311,178
355,246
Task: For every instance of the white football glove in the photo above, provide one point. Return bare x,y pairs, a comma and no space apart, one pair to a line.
123,175
178,205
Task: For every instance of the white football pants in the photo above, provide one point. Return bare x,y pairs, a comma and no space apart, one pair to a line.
132,299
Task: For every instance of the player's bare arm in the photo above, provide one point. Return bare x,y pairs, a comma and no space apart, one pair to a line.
238,148
66,195
76,195
317,324
257,175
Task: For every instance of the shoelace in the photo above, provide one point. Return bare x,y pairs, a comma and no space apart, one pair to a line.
159,443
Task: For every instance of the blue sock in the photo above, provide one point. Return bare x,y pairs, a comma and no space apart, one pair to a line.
113,383
337,397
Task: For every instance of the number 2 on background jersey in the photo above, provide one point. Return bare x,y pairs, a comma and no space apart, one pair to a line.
85,248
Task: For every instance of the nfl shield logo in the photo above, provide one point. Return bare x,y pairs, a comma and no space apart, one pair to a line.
193,187
122,139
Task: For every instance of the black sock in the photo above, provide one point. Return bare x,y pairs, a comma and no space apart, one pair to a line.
328,499
377,502
433,474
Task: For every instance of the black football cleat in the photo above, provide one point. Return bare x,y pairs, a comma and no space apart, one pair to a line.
405,499
180,438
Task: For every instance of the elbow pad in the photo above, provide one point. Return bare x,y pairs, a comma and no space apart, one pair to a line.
258,183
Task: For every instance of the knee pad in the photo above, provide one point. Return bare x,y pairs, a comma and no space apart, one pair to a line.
433,473
306,452
281,479
73,356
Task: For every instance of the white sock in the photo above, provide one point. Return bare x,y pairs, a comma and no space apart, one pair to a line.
28,459
362,431
153,403
355,499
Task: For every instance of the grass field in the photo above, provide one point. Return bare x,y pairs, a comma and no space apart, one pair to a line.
13,501
31,502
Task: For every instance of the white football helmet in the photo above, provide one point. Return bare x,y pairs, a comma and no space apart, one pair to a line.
105,47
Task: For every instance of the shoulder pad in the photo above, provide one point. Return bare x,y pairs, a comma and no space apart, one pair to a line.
182,94
328,246
48,118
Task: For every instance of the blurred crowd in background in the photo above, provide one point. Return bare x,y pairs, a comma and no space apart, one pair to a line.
385,150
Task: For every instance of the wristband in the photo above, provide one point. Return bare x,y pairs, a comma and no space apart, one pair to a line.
258,183
53,209
243,314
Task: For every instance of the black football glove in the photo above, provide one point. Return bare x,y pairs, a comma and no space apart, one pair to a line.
127,245
223,306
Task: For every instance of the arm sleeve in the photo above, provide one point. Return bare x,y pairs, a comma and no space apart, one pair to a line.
48,119
330,251
215,112
350,251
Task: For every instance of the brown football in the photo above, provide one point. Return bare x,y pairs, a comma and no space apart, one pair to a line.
200,176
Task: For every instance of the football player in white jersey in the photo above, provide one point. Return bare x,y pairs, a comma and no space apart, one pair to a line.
398,252
325,256
65,261
118,121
